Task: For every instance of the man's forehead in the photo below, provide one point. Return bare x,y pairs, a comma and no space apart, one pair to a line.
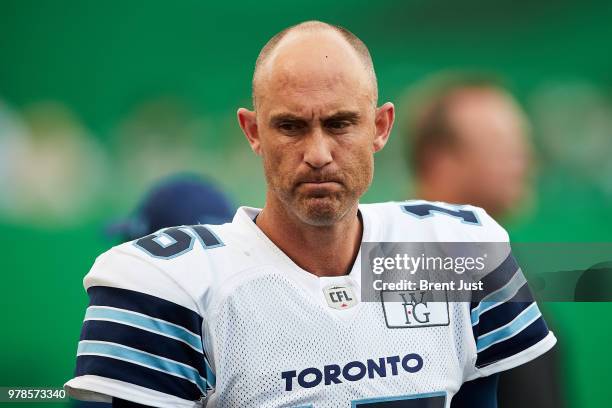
309,112
310,102
312,62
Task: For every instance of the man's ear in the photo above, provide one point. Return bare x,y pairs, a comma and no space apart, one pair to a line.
385,116
248,123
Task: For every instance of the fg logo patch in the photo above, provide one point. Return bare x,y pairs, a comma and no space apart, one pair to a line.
340,297
405,309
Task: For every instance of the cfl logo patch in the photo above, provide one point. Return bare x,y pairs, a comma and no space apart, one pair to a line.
404,309
340,297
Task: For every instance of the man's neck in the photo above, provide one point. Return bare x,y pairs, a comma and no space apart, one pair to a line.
322,251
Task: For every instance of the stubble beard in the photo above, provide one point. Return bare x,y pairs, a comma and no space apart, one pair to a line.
320,210
323,211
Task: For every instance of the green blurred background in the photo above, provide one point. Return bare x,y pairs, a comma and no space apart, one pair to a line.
100,99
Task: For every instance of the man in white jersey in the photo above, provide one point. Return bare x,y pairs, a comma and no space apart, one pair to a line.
266,311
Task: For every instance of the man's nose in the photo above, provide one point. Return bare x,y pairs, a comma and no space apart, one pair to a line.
317,151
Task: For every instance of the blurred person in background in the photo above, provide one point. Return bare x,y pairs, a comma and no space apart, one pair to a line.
180,199
469,143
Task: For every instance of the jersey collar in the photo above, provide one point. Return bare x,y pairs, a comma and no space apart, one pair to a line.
244,220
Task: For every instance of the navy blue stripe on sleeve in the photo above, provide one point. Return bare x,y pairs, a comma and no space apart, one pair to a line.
522,340
146,304
139,375
113,332
503,313
496,279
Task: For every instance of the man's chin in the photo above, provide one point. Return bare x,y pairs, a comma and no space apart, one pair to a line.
321,211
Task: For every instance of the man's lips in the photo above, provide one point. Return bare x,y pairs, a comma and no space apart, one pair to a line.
322,188
318,179
320,183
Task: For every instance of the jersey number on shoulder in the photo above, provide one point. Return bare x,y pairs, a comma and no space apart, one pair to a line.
172,242
428,210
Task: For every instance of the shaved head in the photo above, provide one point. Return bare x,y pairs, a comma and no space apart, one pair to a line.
320,35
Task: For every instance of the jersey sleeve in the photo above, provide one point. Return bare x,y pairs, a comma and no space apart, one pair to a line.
507,325
141,339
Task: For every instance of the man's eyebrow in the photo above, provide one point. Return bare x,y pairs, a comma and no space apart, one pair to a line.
349,116
285,117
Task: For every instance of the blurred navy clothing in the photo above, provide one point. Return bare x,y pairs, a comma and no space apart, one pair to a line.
480,393
182,199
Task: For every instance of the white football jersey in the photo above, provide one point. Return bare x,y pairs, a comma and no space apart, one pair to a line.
219,316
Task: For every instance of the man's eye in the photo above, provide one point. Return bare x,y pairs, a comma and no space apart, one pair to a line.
289,127
338,124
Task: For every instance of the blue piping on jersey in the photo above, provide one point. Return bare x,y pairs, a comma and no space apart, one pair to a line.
520,322
498,297
144,322
117,351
